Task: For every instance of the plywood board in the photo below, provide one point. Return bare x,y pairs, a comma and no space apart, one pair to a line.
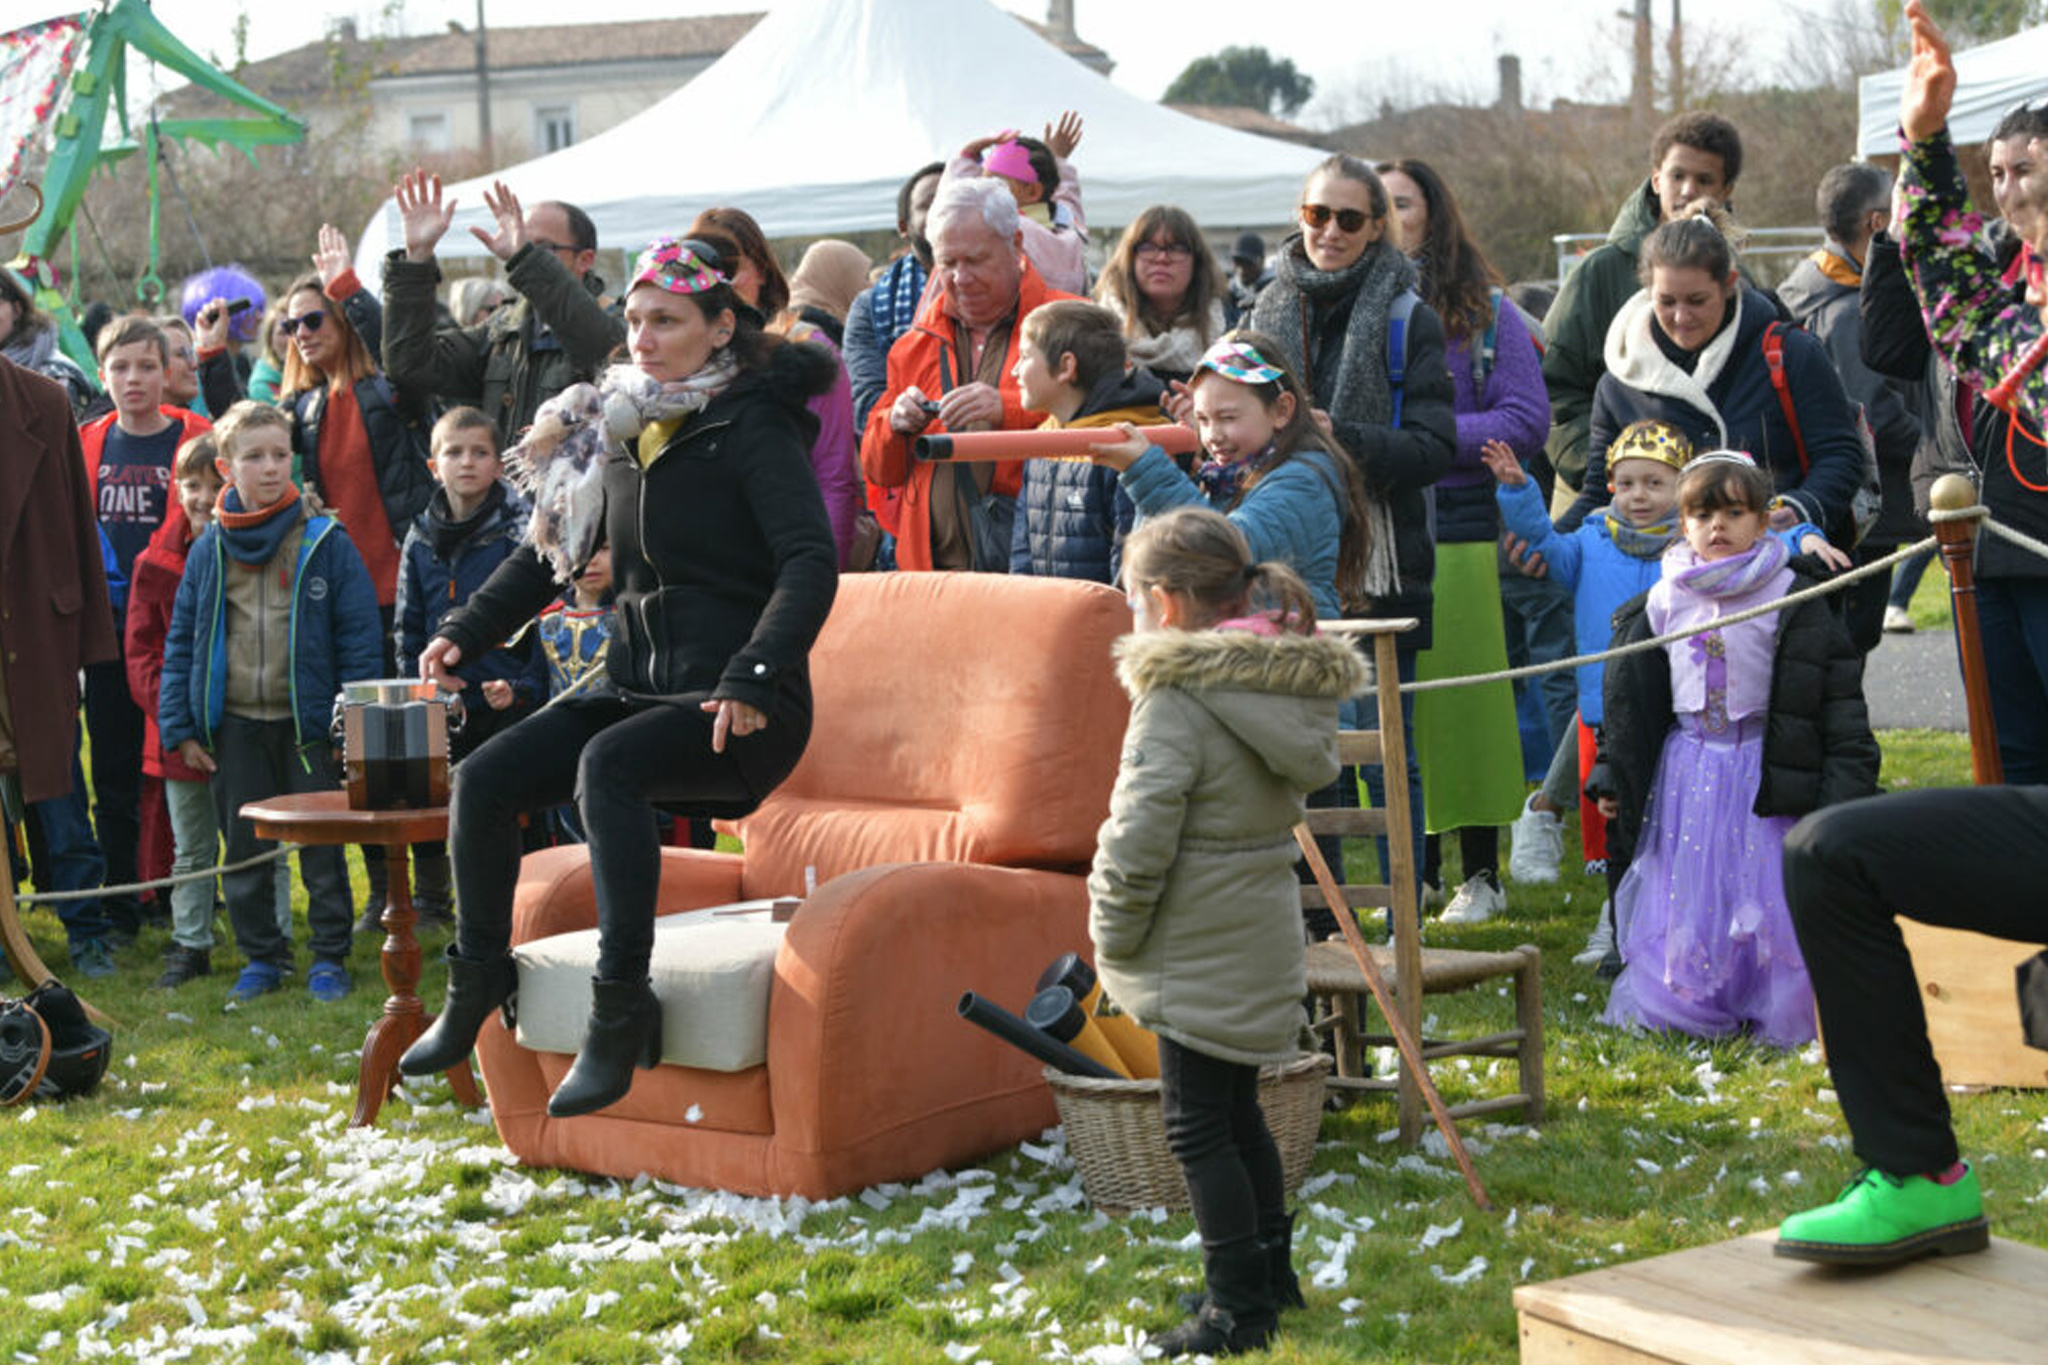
1973,1011
1735,1303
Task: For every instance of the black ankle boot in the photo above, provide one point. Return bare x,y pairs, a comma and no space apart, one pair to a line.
1278,1245
1239,1314
624,1032
474,990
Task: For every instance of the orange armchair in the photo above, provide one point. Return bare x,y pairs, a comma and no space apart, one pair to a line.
967,734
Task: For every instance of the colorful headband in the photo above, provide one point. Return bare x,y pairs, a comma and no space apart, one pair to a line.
1238,361
679,267
1659,441
1735,457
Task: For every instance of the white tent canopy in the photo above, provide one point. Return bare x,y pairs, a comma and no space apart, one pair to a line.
1989,80
813,119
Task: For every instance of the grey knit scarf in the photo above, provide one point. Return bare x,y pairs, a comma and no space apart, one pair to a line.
1361,393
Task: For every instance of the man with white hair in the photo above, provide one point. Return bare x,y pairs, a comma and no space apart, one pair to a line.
952,372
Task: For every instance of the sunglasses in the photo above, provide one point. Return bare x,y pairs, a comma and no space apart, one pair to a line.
309,321
1348,220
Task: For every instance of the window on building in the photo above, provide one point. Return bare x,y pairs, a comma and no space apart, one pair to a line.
554,127
427,132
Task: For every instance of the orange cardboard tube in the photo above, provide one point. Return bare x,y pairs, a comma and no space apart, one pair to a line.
1055,1012
982,446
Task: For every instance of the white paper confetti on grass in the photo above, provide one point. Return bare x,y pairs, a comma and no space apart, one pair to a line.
1332,1271
1474,1268
1436,1236
961,1351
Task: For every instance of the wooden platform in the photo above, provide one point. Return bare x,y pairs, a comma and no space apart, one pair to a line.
1734,1303
1973,1013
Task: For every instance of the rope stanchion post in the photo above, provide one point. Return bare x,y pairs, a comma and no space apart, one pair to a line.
1957,535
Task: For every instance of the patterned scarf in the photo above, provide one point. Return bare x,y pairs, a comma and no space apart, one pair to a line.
1360,393
1641,542
1737,574
1223,480
897,295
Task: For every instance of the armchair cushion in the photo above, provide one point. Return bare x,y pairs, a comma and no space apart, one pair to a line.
712,972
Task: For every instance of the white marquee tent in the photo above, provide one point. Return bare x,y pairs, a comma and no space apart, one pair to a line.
812,120
1989,80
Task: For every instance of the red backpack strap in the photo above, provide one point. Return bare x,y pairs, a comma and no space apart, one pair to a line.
1774,361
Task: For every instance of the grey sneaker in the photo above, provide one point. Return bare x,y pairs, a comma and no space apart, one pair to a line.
92,958
1477,901
181,965
1600,942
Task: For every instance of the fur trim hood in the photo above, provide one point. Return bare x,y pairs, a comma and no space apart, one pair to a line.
1320,666
796,372
1278,695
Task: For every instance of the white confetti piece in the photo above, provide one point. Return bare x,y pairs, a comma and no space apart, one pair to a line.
1474,1268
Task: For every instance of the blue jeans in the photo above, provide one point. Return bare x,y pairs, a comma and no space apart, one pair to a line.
64,856
1538,615
2013,614
1906,578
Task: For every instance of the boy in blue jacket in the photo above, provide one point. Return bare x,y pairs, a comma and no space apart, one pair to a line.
275,611
471,525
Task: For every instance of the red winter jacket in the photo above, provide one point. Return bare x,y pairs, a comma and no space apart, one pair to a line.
152,588
885,453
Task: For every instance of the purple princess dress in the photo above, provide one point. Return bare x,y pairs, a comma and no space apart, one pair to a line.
1705,932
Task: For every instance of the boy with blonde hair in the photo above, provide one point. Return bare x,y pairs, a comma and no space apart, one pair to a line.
275,611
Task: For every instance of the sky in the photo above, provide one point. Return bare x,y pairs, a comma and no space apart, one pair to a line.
1358,51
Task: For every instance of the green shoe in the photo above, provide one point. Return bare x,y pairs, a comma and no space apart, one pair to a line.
1880,1219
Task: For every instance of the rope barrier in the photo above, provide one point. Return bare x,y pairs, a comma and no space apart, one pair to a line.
1835,584
133,888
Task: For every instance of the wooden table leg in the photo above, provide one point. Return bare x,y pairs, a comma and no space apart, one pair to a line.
404,1018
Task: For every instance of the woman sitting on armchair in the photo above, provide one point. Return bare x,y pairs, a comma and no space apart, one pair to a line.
724,566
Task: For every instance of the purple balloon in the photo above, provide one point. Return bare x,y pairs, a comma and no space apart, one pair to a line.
225,282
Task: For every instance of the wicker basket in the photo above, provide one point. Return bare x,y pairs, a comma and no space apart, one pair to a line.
1118,1142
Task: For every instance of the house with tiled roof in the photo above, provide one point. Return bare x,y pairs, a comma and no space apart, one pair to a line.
550,86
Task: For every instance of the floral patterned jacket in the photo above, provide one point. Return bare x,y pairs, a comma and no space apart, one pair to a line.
1973,319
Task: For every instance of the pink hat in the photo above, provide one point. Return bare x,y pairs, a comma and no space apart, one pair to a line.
1009,159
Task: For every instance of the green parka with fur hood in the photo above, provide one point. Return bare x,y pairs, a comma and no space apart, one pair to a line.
1193,903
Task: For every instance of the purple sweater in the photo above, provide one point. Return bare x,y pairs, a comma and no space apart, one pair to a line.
1515,407
835,455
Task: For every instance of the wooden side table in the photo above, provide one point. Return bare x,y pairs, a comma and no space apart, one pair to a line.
326,818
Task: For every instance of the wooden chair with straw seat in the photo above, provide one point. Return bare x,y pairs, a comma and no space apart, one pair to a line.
1413,971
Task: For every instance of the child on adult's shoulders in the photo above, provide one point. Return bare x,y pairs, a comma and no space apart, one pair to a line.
274,612
1071,365
1048,194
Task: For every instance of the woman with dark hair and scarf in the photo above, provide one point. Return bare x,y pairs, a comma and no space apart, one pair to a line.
1467,738
723,561
1161,282
1336,289
28,337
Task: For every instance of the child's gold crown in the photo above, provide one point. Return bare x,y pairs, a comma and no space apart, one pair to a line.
1650,440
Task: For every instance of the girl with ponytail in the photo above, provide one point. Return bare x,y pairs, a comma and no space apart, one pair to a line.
1193,904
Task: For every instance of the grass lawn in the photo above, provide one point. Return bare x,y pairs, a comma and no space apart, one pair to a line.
210,1203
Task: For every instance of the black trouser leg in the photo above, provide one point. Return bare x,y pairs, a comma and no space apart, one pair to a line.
1480,847
618,760
115,724
1970,858
1215,1129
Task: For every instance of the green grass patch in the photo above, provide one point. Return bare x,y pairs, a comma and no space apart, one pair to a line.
210,1200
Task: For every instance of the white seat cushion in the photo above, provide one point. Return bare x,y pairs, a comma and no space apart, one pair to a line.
711,971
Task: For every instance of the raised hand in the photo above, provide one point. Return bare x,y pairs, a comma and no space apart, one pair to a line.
422,213
1066,136
210,326
1500,461
333,259
1930,79
511,233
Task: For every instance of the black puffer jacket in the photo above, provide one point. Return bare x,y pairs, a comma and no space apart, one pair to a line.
1818,748
722,555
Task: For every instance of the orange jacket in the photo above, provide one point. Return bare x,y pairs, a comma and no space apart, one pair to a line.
915,359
